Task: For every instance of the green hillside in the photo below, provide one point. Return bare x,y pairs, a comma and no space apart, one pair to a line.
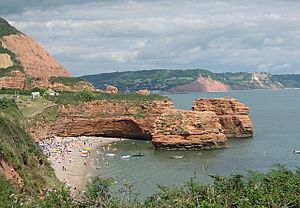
19,150
288,80
164,79
156,79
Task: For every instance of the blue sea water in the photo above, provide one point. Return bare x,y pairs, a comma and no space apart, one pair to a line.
276,120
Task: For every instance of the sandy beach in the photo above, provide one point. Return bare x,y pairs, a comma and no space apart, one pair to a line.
70,167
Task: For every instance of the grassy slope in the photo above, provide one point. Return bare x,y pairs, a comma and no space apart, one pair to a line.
69,81
20,151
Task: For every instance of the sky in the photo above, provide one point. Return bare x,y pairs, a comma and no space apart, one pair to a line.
96,36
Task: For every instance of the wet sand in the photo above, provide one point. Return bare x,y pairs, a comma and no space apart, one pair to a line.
71,168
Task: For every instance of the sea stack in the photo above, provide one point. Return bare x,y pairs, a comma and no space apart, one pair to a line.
233,115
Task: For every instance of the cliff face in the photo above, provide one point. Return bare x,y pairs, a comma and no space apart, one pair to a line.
159,121
25,64
262,80
15,80
36,61
233,115
202,84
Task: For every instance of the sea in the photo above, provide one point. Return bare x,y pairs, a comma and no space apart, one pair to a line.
276,121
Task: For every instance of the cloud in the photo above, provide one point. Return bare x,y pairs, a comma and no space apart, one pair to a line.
99,36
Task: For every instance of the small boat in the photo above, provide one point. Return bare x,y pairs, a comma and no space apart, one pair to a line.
83,154
296,151
138,154
110,155
177,157
125,156
84,150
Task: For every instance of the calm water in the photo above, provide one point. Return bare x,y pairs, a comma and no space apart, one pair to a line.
276,119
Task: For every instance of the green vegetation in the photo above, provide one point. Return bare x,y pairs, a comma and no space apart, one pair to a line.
8,197
6,28
158,79
4,91
83,96
288,80
239,80
31,108
277,188
140,113
69,81
21,152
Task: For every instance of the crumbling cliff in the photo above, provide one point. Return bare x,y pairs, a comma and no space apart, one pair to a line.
158,120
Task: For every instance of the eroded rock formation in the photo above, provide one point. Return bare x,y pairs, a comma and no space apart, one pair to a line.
233,115
111,89
205,127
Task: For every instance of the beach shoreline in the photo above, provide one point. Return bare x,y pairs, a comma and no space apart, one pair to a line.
69,166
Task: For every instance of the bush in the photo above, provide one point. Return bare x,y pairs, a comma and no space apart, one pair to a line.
69,81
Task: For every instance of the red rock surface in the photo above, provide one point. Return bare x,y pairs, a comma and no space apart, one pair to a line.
15,80
202,84
11,174
143,92
167,127
111,89
36,61
233,115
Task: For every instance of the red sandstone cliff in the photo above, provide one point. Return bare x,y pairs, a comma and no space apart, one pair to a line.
37,65
202,84
167,127
36,61
233,115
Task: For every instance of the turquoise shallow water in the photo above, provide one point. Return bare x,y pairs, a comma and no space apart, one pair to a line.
276,120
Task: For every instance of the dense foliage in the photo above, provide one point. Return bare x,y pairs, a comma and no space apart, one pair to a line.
6,28
19,150
69,81
277,188
75,97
